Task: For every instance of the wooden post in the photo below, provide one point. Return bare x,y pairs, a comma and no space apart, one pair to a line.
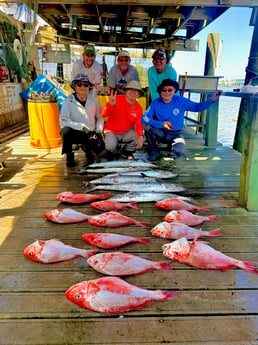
248,190
209,70
251,78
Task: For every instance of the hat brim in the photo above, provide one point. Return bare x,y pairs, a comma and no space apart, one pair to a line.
141,91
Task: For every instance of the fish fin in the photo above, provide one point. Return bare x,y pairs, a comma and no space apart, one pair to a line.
133,205
85,183
163,266
248,266
199,233
144,224
104,196
212,218
202,210
214,233
164,295
94,187
144,240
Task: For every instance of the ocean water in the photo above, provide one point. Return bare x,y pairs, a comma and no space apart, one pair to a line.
227,119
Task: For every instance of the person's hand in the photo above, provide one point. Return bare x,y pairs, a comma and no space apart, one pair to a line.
139,142
215,95
86,129
112,97
167,125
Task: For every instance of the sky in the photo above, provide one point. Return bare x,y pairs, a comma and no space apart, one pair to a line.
236,35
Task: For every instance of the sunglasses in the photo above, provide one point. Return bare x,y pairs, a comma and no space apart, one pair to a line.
168,90
124,60
161,58
84,83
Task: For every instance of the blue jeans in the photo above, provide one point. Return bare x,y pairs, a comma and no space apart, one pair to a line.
174,139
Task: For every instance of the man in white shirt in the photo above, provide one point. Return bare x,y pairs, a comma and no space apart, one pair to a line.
88,66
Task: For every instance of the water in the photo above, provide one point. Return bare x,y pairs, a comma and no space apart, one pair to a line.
227,119
228,115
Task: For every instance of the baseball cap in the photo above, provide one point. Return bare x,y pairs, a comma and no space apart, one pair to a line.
123,53
89,49
159,52
81,77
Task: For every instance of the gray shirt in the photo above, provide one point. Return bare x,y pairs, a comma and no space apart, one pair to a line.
118,81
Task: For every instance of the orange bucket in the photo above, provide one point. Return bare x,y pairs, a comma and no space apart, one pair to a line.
44,124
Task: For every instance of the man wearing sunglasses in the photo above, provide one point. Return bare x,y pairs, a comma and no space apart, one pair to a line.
159,71
90,67
122,73
164,119
81,121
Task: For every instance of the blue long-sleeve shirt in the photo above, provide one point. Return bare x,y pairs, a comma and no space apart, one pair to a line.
173,112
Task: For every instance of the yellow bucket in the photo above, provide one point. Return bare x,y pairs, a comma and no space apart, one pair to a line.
44,124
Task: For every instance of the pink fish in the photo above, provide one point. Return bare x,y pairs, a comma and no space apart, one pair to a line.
188,218
54,251
176,230
109,241
201,255
110,205
67,215
110,295
113,219
122,264
178,205
72,198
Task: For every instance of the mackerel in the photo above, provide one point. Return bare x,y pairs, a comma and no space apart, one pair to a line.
120,179
147,186
146,197
111,170
157,173
122,163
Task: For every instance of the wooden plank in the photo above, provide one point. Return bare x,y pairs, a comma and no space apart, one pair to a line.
225,330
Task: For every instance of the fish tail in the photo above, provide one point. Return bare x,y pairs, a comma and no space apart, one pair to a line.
144,224
132,205
144,240
87,253
214,233
163,266
104,196
202,209
212,218
165,295
248,266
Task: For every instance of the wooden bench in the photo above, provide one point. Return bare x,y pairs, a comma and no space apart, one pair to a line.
5,152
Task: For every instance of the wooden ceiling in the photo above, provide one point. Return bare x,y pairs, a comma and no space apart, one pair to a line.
135,23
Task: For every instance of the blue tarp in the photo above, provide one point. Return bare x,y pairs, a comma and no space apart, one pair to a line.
43,84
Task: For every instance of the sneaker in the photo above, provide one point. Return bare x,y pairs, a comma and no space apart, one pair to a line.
154,157
70,162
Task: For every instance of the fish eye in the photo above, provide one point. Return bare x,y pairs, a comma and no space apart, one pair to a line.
30,253
176,253
79,296
95,262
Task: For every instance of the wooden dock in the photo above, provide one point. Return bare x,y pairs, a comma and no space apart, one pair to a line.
215,307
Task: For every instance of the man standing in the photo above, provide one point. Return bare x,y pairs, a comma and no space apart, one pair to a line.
88,66
159,71
123,125
81,122
122,73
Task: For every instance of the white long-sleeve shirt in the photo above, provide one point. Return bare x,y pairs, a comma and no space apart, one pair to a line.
75,115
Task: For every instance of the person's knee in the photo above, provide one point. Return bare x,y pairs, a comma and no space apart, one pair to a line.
147,128
178,147
66,131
